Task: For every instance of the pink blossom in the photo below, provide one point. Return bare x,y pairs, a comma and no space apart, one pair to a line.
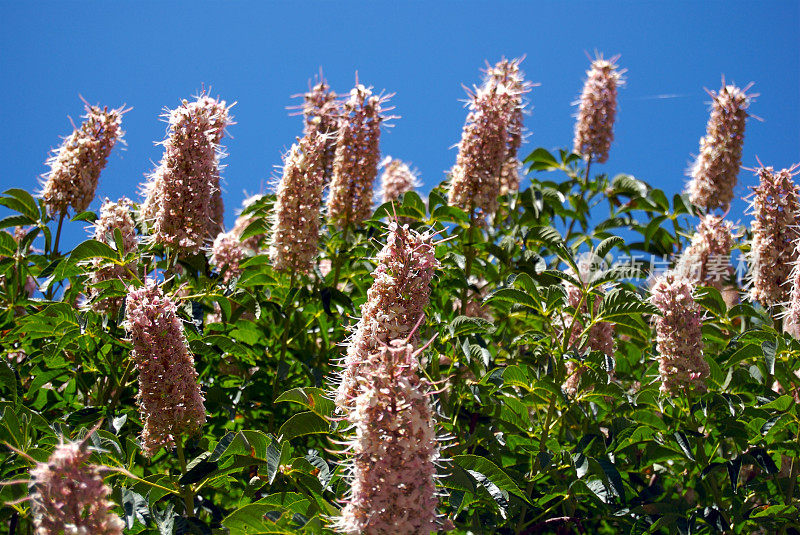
484,147
678,335
70,496
774,205
707,258
508,74
170,401
394,449
322,113
227,253
181,201
295,231
113,215
594,130
355,165
76,165
395,302
397,178
716,169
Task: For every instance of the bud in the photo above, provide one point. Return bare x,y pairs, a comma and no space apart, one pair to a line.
227,253
774,205
321,111
594,130
180,195
357,156
113,215
706,260
394,449
170,401
395,302
295,230
397,178
678,335
70,496
714,173
482,151
76,165
508,74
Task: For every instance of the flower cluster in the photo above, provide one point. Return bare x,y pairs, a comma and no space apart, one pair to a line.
322,113
70,496
182,197
76,165
169,397
594,130
678,335
113,215
295,231
395,302
355,165
394,450
482,151
715,171
774,205
227,252
397,178
508,74
712,241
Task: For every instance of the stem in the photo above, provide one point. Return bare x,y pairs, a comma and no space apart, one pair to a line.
284,340
188,495
793,473
58,232
586,182
338,267
115,398
469,253
701,454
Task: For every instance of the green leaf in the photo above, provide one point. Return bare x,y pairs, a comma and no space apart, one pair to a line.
683,444
21,201
514,296
304,423
541,160
91,217
491,471
619,302
92,249
252,518
8,378
628,185
769,347
468,325
781,404
314,399
605,246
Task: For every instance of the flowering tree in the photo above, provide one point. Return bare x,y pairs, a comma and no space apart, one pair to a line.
533,347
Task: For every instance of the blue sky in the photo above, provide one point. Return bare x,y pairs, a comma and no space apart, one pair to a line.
150,55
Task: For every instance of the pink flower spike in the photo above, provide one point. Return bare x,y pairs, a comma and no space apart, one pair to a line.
76,165
170,401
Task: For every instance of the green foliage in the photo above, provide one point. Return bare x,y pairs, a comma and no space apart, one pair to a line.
525,456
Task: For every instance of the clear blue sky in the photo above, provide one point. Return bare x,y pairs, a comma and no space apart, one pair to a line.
149,55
